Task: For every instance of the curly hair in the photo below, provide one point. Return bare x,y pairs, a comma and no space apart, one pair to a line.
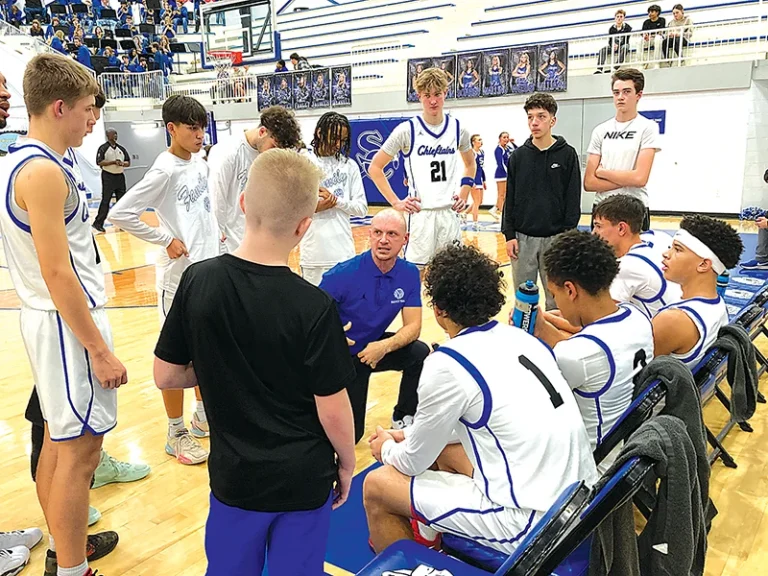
582,258
330,130
719,236
465,284
541,100
635,76
282,125
622,208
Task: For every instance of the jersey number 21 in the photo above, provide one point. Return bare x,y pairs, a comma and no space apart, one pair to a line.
438,171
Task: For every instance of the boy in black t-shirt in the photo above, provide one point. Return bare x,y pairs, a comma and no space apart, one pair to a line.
269,354
654,36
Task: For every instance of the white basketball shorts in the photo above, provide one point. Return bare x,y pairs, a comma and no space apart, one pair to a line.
164,301
314,274
71,398
431,230
453,503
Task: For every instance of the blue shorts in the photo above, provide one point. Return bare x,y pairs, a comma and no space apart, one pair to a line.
237,541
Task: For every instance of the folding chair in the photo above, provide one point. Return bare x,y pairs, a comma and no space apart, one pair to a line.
707,374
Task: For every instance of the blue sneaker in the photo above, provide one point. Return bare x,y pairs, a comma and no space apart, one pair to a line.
754,265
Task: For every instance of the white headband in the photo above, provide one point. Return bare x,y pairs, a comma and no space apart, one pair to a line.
700,249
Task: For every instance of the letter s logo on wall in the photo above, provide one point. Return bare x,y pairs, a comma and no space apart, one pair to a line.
369,142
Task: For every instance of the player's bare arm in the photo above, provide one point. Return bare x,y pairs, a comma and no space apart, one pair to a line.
335,414
410,331
673,332
41,191
172,376
376,173
592,183
636,178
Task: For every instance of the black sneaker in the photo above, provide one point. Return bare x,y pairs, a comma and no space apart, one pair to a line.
98,546
98,228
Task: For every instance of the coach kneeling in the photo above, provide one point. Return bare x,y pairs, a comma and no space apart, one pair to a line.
370,290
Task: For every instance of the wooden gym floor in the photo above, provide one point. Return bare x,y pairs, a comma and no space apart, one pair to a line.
161,519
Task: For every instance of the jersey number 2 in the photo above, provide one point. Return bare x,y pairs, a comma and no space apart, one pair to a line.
554,395
438,171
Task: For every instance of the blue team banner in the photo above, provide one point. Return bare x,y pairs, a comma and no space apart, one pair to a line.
368,135
658,116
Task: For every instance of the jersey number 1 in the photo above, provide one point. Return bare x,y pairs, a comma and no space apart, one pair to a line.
554,395
438,171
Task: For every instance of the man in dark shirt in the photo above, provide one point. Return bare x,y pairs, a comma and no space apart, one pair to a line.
370,290
616,51
268,352
652,39
113,159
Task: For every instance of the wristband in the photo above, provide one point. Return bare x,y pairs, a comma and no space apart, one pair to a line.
467,181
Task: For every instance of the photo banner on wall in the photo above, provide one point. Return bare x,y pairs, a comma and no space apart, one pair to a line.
368,135
341,93
302,93
264,91
469,72
321,88
448,65
415,67
522,64
552,64
281,90
496,72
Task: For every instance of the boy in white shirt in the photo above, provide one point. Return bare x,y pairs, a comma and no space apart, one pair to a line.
329,239
640,280
622,149
176,186
230,161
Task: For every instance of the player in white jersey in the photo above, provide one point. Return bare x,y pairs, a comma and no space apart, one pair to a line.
522,439
657,239
52,263
230,161
615,341
438,161
702,249
622,149
618,220
329,240
176,186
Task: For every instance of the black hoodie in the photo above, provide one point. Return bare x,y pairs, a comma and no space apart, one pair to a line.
543,190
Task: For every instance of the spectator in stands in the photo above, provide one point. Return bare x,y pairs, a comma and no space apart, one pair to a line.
125,63
36,29
141,42
82,54
15,16
654,36
168,30
679,29
34,9
98,33
109,54
133,56
57,42
280,66
51,29
299,62
181,18
127,24
123,13
98,6
617,47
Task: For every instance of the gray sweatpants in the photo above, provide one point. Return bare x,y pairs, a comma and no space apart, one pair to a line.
530,263
761,254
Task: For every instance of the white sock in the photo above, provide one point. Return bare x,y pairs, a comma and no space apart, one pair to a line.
174,425
51,543
200,411
76,571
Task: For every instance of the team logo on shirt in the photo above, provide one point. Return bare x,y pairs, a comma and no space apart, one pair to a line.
189,197
433,151
555,165
399,294
628,135
338,180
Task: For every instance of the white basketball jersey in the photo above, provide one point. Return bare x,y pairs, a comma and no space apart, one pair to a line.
645,285
524,435
20,250
657,239
433,164
600,362
709,315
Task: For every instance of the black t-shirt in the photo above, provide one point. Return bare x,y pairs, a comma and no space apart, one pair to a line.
651,25
263,342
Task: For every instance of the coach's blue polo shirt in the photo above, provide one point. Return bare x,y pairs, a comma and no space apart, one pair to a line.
369,298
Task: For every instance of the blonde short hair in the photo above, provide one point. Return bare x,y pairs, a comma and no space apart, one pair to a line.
432,80
50,77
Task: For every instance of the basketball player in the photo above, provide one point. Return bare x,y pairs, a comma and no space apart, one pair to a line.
52,262
176,186
615,342
531,432
701,249
230,161
657,239
329,240
622,149
430,144
269,352
640,280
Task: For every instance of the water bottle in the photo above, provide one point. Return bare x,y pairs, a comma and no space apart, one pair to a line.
526,306
722,283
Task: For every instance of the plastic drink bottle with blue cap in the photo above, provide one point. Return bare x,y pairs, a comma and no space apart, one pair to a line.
722,282
526,306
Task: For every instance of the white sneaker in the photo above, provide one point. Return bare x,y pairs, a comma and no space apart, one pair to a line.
199,428
93,516
13,560
494,213
186,449
28,538
404,423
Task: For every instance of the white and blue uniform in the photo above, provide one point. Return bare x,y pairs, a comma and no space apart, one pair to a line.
709,315
599,364
641,281
479,169
71,398
657,239
518,424
502,161
495,77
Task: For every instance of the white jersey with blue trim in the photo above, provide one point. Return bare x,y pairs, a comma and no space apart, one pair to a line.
599,364
709,315
23,263
433,164
517,421
641,280
657,239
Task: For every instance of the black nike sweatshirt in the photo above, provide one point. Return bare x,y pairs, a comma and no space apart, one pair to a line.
543,190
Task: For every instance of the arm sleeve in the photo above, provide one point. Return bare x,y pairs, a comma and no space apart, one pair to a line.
413,299
442,401
126,214
332,286
651,137
358,203
100,153
399,140
508,220
327,359
222,186
573,193
172,344
499,154
464,140
595,144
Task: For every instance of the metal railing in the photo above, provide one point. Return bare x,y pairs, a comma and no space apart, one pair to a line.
236,88
739,39
119,85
